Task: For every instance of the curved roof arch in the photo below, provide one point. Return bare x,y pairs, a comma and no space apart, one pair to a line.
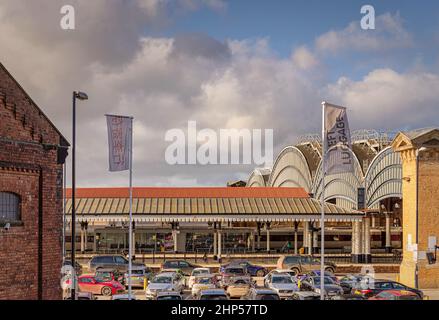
291,169
259,177
340,186
383,178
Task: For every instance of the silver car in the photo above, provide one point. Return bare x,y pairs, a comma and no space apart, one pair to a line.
329,286
167,281
283,284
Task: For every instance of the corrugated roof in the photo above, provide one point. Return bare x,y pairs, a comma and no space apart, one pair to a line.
190,192
199,201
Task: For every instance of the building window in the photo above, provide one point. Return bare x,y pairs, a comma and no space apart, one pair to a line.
9,207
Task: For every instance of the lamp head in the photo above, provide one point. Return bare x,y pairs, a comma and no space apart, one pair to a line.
81,95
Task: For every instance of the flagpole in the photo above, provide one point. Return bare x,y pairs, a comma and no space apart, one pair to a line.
130,232
322,218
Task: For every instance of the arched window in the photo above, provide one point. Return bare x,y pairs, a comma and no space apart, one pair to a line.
9,207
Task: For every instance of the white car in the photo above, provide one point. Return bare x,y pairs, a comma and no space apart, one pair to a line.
197,272
283,271
204,282
167,281
169,295
283,284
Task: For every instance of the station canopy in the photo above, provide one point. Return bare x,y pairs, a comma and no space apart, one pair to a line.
202,204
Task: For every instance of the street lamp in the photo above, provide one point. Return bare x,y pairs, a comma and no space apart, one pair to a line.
80,96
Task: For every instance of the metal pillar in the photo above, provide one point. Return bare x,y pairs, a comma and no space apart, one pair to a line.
309,238
215,243
220,236
296,226
268,239
388,234
305,236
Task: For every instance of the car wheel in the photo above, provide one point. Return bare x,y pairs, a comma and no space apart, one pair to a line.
329,269
260,273
296,271
106,291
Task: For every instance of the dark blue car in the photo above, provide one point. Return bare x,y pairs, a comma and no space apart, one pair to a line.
251,269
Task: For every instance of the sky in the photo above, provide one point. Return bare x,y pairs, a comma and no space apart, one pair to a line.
224,64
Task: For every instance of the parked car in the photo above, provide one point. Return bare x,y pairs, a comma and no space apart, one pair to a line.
123,297
348,297
107,274
204,282
260,294
81,296
213,294
114,262
168,295
283,284
239,287
316,273
372,288
182,265
396,295
304,295
313,284
283,271
88,283
197,272
138,276
303,263
229,273
351,280
167,281
252,269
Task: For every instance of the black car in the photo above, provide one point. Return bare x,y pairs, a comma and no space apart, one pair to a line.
373,287
114,262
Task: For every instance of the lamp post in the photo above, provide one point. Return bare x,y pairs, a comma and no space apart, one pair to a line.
80,96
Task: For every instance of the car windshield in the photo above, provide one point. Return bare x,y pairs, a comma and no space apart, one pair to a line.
199,271
203,280
235,270
267,297
137,272
169,298
281,280
213,297
326,279
162,280
240,281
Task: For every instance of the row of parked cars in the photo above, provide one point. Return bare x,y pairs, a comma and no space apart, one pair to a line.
295,278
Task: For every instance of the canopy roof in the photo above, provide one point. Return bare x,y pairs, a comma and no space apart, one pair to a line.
203,204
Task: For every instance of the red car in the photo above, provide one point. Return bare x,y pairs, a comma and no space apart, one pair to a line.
396,295
88,283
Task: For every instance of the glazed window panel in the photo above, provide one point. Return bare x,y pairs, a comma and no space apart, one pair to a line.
9,207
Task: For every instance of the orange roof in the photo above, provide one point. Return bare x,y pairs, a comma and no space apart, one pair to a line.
190,192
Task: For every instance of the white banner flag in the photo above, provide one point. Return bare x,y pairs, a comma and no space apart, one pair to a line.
119,141
339,159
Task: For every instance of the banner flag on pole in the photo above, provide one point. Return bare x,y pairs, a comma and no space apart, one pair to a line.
119,141
338,140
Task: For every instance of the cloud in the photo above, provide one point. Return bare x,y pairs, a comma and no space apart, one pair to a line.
386,99
304,58
165,81
389,34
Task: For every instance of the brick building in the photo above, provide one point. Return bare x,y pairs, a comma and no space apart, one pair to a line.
32,153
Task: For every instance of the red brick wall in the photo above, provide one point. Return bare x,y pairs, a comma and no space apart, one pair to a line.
29,170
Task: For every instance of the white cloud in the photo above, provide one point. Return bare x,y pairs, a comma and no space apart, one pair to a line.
389,100
389,34
304,58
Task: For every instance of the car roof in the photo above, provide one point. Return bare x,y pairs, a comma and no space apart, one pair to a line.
201,268
213,292
168,293
265,291
166,274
